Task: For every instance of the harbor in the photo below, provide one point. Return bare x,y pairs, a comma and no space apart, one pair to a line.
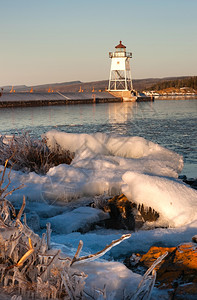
120,88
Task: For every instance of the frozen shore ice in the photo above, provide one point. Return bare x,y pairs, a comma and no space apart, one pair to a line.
105,164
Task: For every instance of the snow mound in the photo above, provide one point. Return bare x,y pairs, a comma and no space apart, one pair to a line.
117,279
175,202
106,144
101,160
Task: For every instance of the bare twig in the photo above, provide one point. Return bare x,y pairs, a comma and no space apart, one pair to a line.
80,246
22,209
26,255
102,252
146,285
3,175
13,190
156,262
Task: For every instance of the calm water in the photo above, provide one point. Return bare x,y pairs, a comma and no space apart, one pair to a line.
170,123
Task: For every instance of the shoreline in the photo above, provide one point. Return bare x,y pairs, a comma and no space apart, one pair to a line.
176,97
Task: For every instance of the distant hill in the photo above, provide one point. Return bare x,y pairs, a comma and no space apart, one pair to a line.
188,82
148,83
138,84
17,87
55,86
40,88
75,86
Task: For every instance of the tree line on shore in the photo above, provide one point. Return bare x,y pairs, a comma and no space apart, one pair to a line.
190,82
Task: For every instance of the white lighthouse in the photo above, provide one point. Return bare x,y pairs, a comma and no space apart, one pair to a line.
120,74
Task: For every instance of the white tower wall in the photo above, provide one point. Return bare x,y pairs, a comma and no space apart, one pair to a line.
120,72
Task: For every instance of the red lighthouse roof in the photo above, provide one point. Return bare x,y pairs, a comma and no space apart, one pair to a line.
120,45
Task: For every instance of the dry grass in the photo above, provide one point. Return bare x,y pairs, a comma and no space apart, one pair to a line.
28,265
30,155
30,268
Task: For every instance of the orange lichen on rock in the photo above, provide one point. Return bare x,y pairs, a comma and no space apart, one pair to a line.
177,272
187,255
154,252
179,266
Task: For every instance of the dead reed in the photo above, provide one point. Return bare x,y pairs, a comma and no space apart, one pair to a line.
31,155
30,268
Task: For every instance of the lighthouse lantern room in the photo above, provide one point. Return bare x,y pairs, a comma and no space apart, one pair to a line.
120,73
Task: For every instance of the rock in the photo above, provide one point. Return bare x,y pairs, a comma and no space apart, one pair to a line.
154,252
192,182
125,214
132,261
121,213
180,266
185,292
194,239
182,177
148,213
177,272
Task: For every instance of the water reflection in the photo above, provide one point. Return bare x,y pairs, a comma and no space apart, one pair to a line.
92,115
169,123
121,113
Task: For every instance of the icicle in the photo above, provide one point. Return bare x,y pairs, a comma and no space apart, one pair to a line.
49,235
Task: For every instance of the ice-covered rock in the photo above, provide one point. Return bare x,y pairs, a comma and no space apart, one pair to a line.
175,202
79,218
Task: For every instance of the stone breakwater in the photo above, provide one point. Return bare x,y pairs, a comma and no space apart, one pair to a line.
24,99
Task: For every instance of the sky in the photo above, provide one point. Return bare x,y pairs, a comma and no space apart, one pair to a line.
48,41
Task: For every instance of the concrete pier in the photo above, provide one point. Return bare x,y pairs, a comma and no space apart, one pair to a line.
24,99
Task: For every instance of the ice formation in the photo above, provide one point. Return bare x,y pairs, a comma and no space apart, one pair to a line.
175,202
100,162
144,171
101,144
79,218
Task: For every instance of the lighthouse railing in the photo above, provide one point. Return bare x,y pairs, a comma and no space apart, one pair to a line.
120,54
